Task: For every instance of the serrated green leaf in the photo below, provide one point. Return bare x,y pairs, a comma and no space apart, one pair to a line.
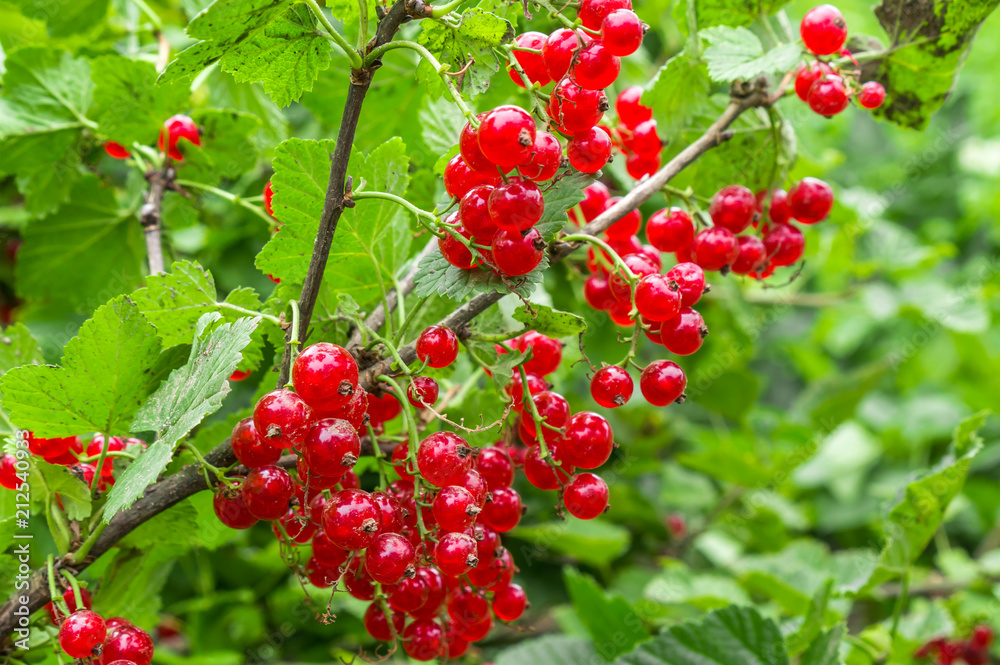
550,321
65,18
611,621
128,105
18,347
106,374
135,574
43,110
227,149
966,435
563,195
825,649
726,12
549,650
733,635
473,34
54,479
737,53
441,123
676,93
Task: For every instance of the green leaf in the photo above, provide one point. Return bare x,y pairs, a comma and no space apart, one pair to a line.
55,479
726,12
550,321
181,402
736,53
611,621
562,195
473,34
676,93
65,18
227,149
372,239
128,105
592,542
825,649
704,591
733,636
133,574
43,110
441,123
436,276
90,230
18,347
549,650
929,43
812,622
966,435
104,378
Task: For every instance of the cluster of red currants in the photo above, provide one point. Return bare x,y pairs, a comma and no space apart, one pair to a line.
973,651
635,134
174,129
69,451
821,84
86,634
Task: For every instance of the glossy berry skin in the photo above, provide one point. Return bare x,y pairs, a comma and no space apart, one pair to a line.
546,353
8,472
670,230
533,64
662,382
595,68
624,230
422,392
810,200
352,519
559,49
657,297
515,389
752,255
872,95
587,440
459,177
574,109
644,139
81,633
593,12
282,418
690,277
128,643
455,508
828,95
510,602
733,207
629,107
515,254
454,250
823,30
116,150
548,474
249,449
325,376
378,626
507,135
437,346
49,448
784,245
516,205
70,598
495,467
777,210
589,150
325,552
597,292
474,214
178,127
331,448
388,557
640,266
808,75
622,32
232,510
684,333
639,165
468,144
715,248
455,553
611,387
504,512
423,640
384,408
546,158
586,496
596,197
267,491
552,408
443,459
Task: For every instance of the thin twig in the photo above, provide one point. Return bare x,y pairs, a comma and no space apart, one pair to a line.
151,214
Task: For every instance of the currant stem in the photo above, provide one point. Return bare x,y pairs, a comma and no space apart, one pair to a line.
453,94
418,212
395,354
77,596
619,264
100,465
356,61
294,342
84,549
379,457
57,600
205,466
438,11
633,347
110,453
555,13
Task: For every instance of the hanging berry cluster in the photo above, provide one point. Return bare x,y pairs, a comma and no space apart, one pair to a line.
86,634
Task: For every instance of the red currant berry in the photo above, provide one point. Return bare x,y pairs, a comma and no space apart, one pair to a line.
573,109
378,626
455,508
546,474
640,165
662,382
388,558
443,459
269,198
752,255
640,266
455,553
82,634
437,346
474,214
597,292
823,30
331,447
423,392
70,598
733,207
670,230
352,519
629,107
593,12
8,472
128,643
383,409
437,592
239,375
326,552
178,127
546,158
611,387
282,418
231,509
552,408
622,32
810,200
507,135
587,440
358,582
657,297
510,602
516,205
778,211
249,449
784,245
49,448
517,254
454,250
559,49
644,139
476,485
684,333
586,496
536,384
546,353
495,467
808,75
533,64
498,575
982,637
116,150
589,150
325,376
115,444
468,144
468,607
872,95
691,279
828,95
715,248
459,177
504,512
595,201
423,640
620,314
595,68
622,232
267,491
